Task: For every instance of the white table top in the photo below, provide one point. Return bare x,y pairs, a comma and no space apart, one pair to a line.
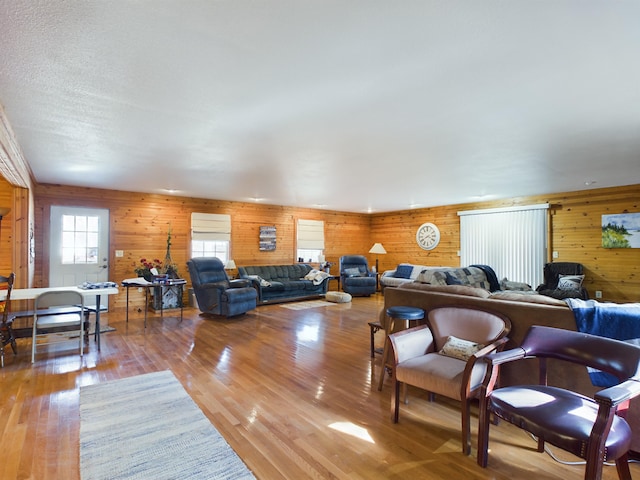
31,293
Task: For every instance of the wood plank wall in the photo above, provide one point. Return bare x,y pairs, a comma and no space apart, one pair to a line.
576,219
6,227
139,224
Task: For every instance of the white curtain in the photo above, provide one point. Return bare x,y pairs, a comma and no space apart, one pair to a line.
310,234
513,241
210,226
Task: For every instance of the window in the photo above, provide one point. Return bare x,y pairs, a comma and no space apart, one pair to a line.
310,240
210,235
79,239
513,241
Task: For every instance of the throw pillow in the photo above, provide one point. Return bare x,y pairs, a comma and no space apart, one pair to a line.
458,348
403,271
352,272
570,282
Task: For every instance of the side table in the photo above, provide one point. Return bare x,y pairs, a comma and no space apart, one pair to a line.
142,283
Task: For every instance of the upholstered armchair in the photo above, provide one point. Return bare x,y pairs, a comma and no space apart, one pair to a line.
215,293
355,276
442,357
563,280
592,428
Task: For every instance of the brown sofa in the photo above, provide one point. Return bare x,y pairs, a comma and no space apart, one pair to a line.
523,310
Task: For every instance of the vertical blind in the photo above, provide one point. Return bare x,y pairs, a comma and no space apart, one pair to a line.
210,226
310,234
513,241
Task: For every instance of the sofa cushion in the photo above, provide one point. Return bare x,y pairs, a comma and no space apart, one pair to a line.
530,297
274,286
510,285
262,281
451,289
296,285
403,271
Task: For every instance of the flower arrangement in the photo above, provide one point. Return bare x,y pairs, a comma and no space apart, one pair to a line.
169,267
143,268
326,266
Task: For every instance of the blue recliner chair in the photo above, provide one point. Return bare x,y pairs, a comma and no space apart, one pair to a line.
355,276
214,291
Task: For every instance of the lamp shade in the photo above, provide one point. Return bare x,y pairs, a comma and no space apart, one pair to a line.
230,265
377,248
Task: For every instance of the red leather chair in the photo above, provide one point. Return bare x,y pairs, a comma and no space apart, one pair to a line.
590,428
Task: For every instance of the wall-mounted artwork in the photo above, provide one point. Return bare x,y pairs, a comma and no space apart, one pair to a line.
267,239
621,230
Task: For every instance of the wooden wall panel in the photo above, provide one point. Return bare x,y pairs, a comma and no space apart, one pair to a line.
575,234
139,224
6,227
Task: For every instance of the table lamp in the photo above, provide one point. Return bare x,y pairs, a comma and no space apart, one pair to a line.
378,249
230,265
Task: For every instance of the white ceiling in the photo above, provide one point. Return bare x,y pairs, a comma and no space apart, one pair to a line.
352,105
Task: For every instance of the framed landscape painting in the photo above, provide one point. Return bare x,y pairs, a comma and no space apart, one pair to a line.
621,230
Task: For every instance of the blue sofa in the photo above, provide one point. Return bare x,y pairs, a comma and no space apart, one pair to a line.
278,283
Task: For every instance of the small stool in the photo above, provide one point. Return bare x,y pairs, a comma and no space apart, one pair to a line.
408,314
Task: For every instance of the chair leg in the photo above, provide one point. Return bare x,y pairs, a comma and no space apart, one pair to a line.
385,354
466,426
483,434
395,406
622,466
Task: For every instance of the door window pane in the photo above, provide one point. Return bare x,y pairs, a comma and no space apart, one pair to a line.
79,239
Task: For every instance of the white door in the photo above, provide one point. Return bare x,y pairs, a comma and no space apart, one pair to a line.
79,246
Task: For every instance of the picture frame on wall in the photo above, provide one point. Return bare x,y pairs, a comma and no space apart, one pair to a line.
621,230
267,238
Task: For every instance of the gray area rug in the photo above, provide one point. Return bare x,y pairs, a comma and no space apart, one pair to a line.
307,304
148,427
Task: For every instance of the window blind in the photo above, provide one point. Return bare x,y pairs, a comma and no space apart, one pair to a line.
513,241
210,226
311,234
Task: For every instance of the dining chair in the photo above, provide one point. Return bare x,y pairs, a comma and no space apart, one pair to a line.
442,356
592,428
58,312
6,327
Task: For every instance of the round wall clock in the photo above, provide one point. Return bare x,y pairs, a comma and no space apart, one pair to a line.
428,236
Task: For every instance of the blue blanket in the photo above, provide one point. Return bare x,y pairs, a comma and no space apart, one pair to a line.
620,321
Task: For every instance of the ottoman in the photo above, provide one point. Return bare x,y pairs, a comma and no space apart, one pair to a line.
338,297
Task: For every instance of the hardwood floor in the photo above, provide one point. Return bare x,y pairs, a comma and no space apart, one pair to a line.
294,392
